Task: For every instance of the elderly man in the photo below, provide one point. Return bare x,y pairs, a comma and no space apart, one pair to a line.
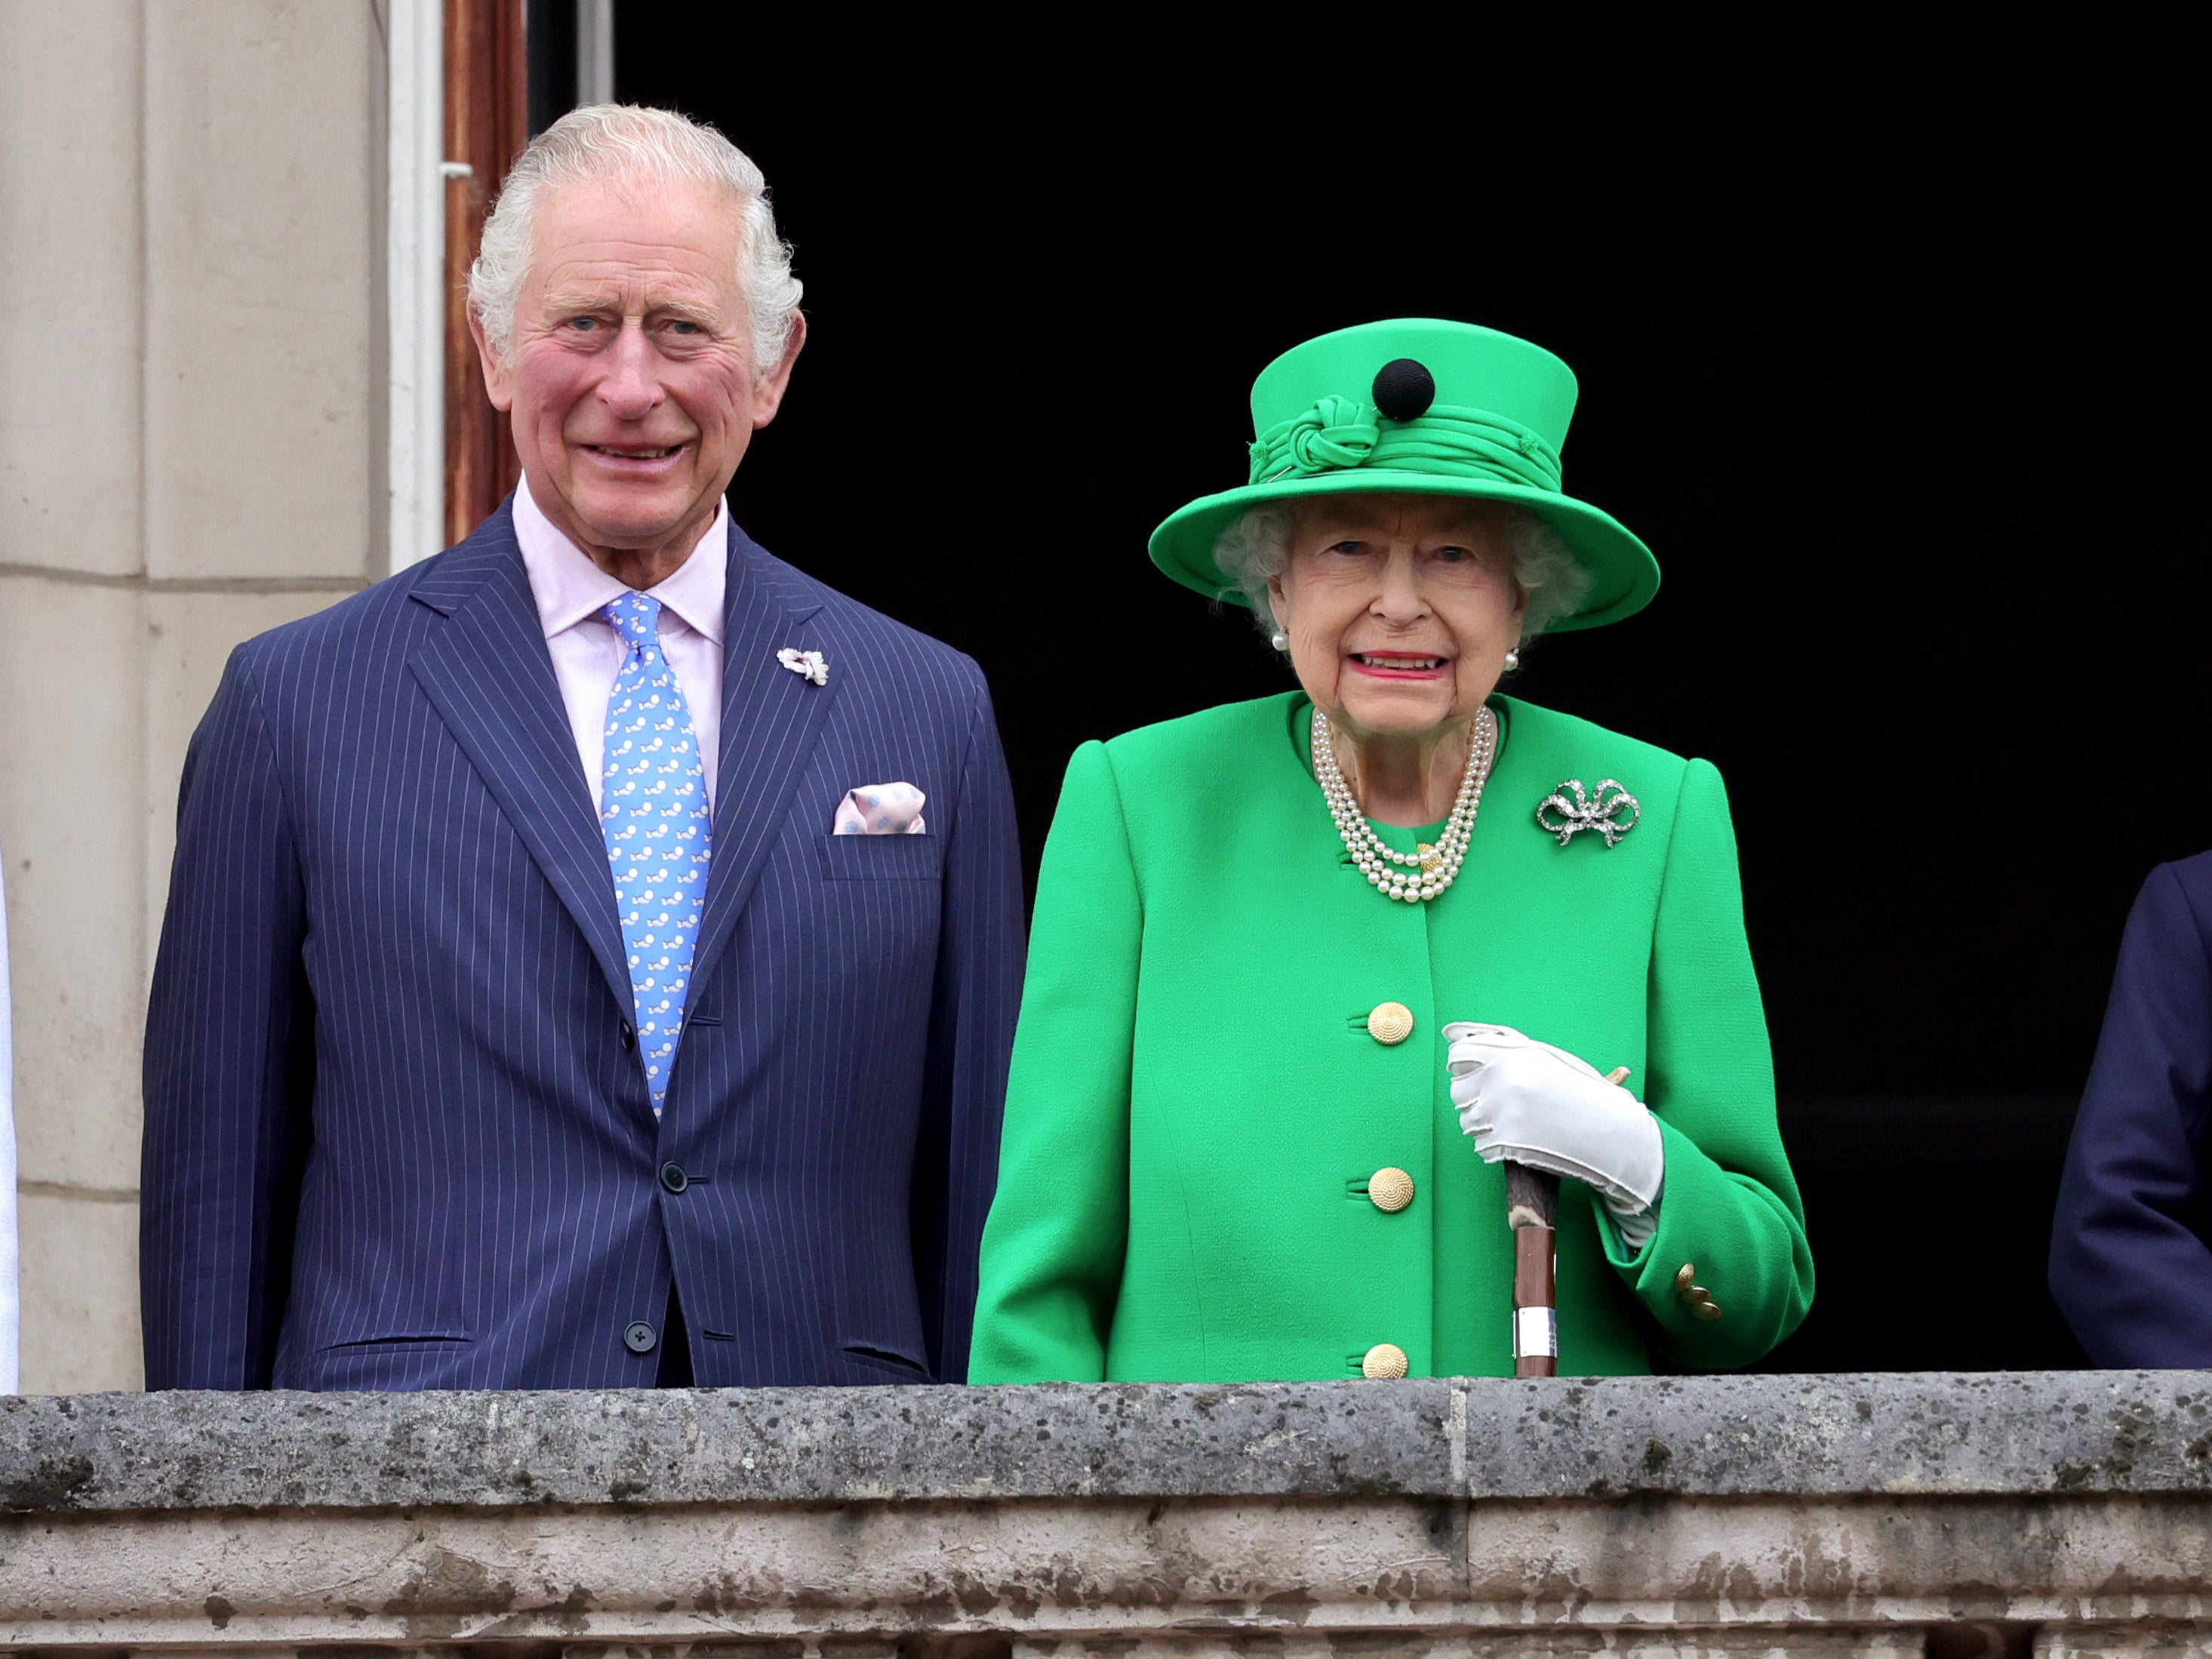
592,954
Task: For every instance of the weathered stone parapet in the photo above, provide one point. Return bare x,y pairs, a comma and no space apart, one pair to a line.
2055,1513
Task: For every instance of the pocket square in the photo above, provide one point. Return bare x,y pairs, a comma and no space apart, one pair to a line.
881,809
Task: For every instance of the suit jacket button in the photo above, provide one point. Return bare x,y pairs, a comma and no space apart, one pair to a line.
672,1176
1384,1360
1390,1023
1390,1189
625,1035
638,1337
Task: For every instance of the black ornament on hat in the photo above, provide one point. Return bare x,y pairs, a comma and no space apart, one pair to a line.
1404,390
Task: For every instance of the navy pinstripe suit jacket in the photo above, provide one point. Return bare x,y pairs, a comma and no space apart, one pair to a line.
394,1139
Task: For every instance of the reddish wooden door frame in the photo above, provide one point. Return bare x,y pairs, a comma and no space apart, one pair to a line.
487,123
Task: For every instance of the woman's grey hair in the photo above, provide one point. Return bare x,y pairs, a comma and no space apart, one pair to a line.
1257,546
626,145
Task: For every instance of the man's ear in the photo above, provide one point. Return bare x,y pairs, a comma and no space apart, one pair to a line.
498,378
767,391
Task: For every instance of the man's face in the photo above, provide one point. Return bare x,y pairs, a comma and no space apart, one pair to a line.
630,380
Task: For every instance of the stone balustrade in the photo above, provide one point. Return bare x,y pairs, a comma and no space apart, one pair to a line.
2053,1513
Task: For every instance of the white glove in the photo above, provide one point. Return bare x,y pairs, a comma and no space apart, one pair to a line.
1526,1101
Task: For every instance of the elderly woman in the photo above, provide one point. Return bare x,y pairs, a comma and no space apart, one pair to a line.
1304,970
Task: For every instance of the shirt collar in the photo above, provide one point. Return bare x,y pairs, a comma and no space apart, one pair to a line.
569,588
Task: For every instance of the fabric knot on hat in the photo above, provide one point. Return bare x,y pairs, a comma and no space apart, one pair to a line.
1339,433
1336,431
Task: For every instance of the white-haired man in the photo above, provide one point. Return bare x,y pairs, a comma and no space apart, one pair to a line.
591,955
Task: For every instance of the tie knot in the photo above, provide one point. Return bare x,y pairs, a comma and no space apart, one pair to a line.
635,617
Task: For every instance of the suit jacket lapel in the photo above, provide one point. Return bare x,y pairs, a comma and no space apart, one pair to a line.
487,671
771,718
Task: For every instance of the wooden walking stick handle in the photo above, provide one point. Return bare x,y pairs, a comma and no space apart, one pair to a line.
1532,1210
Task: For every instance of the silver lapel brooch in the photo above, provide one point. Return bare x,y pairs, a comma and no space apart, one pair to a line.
810,665
1601,810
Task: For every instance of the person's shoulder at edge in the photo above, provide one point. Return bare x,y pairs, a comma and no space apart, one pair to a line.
2192,878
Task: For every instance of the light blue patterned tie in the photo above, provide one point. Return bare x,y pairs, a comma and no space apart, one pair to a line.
653,810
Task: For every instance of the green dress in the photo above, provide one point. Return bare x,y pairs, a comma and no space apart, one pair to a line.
1196,1105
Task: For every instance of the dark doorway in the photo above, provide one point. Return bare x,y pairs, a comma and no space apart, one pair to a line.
1901,387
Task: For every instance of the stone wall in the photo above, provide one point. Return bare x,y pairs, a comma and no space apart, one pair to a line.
190,398
2051,1514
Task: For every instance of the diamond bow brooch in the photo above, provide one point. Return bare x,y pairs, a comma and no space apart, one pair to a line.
809,665
1612,813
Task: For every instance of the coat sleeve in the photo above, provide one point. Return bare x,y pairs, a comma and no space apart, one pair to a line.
1729,1207
978,987
1059,1227
2128,1268
229,1064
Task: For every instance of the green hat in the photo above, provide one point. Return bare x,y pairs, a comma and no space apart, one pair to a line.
1426,408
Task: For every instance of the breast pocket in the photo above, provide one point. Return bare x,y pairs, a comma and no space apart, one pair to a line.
881,858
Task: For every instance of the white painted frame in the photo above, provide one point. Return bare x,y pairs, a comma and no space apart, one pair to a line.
595,52
414,270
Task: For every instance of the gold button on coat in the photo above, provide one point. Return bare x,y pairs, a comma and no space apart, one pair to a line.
1390,1189
1384,1360
1390,1023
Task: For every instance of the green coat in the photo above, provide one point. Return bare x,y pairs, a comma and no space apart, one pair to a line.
1195,1105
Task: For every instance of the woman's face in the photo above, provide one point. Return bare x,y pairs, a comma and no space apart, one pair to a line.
1400,609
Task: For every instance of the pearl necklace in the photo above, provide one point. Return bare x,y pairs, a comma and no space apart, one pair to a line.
1428,870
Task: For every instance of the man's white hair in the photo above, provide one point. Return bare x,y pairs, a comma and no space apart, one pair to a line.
1257,546
628,146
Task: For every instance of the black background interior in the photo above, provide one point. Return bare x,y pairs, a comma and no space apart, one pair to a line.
1900,384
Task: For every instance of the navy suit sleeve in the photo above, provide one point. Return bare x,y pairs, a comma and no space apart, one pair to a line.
228,1064
978,989
2128,1265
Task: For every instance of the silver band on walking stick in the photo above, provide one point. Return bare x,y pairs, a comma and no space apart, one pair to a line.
1535,1334
1532,1210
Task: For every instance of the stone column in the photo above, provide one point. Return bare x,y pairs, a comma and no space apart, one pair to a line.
190,451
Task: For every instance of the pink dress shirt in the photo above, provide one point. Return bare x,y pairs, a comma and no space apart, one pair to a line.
570,591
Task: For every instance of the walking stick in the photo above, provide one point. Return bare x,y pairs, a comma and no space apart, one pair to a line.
1532,1210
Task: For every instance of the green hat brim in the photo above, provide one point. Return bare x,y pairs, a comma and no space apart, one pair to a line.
1624,574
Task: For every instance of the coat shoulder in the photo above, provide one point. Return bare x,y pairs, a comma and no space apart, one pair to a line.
386,615
2191,878
375,618
861,628
1584,751
1207,740
2171,922
1183,780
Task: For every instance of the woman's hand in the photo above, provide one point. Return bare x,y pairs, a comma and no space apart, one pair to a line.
1540,1106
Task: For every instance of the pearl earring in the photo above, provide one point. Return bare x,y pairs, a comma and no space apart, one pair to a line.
1279,640
1513,660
